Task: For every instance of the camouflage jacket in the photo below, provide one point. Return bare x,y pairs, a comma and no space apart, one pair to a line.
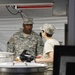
20,42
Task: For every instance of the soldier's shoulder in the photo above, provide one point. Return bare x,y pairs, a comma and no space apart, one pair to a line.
16,33
36,34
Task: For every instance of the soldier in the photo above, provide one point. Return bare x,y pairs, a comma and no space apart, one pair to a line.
48,51
25,39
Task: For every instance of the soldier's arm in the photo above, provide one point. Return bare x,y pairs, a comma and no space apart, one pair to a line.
10,46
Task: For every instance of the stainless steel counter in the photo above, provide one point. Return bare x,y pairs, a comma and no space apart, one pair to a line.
21,68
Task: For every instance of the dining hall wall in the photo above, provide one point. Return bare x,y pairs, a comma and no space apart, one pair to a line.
9,26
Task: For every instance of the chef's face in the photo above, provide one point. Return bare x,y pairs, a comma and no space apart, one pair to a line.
27,28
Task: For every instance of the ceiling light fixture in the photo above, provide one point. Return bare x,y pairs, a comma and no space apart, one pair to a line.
33,6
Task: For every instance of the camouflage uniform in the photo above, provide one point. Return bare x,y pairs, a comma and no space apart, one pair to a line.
20,42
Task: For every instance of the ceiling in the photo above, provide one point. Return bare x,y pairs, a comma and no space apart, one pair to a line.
48,8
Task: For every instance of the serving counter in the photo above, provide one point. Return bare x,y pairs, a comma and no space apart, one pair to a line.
21,68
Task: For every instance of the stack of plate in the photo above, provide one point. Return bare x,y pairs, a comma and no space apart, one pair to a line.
6,56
